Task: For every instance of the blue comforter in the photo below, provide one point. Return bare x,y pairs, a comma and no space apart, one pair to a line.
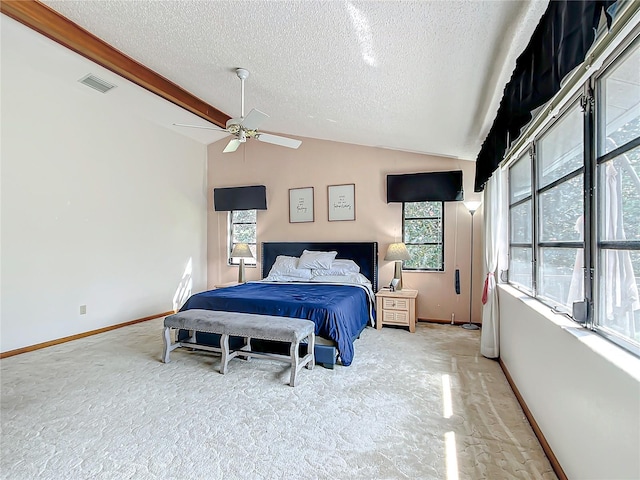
340,312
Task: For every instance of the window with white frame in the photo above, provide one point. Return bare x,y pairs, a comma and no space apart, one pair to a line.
574,206
242,229
423,234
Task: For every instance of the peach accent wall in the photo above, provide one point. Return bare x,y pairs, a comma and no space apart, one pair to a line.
319,163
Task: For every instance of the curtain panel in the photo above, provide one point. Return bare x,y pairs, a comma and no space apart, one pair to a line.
493,245
559,44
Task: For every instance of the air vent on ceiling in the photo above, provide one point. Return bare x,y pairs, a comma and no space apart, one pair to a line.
97,83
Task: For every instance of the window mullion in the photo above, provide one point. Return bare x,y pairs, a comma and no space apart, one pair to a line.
589,225
534,220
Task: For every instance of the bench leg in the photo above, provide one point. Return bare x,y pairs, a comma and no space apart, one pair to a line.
167,344
311,350
295,358
247,348
224,360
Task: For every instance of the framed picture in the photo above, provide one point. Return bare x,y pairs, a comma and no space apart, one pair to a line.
342,202
301,205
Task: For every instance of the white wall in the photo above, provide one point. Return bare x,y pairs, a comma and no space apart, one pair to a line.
583,391
99,207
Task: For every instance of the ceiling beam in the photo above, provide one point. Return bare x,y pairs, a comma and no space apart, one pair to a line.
51,24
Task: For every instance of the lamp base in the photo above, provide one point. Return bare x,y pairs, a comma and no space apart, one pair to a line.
470,326
397,275
241,271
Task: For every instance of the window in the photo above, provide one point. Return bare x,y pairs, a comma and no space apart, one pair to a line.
423,234
574,206
560,190
617,303
521,224
242,229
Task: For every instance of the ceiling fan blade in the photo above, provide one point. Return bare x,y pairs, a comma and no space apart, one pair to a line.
232,146
278,140
200,126
253,119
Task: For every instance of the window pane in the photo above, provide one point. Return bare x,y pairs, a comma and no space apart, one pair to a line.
422,209
244,216
620,197
243,230
520,179
618,302
244,233
424,257
520,221
561,211
560,275
520,267
423,231
560,150
619,97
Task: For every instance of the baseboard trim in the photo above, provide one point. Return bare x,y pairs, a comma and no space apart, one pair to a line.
555,464
58,341
445,322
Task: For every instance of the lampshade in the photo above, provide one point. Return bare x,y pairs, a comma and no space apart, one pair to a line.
397,251
241,250
472,206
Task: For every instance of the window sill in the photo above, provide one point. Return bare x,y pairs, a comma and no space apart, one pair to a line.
616,355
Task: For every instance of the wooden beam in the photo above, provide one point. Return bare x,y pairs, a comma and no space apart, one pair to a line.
51,24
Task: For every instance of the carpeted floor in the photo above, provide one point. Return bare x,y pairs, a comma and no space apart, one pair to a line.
418,406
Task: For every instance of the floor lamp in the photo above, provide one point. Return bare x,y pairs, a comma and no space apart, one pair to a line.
472,207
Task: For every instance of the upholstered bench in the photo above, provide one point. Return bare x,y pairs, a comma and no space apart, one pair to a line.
248,326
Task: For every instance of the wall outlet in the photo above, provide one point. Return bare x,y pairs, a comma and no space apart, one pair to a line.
83,309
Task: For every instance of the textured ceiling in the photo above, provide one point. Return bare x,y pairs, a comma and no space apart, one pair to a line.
424,76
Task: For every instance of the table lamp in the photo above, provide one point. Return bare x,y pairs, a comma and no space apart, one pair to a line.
397,252
241,251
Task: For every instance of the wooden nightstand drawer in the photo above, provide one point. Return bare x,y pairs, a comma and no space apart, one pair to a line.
395,303
395,317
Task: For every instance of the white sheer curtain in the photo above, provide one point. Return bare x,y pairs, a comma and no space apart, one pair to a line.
493,223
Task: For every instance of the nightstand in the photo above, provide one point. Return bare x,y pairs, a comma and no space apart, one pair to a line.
396,308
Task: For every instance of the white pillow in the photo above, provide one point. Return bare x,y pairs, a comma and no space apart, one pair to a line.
310,259
285,269
355,278
339,267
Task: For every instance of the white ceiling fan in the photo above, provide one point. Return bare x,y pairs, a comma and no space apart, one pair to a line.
247,127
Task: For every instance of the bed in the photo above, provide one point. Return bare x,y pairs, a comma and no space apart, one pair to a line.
340,311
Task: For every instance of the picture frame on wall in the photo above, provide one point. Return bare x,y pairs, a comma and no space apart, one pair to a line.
342,202
301,205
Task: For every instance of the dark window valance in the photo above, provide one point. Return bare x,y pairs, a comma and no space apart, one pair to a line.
240,198
425,187
559,43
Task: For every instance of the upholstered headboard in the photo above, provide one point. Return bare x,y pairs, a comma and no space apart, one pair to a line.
365,254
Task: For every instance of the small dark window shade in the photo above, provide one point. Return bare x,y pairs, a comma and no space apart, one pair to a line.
240,198
425,187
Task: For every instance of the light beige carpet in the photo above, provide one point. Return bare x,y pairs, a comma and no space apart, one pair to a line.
105,407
